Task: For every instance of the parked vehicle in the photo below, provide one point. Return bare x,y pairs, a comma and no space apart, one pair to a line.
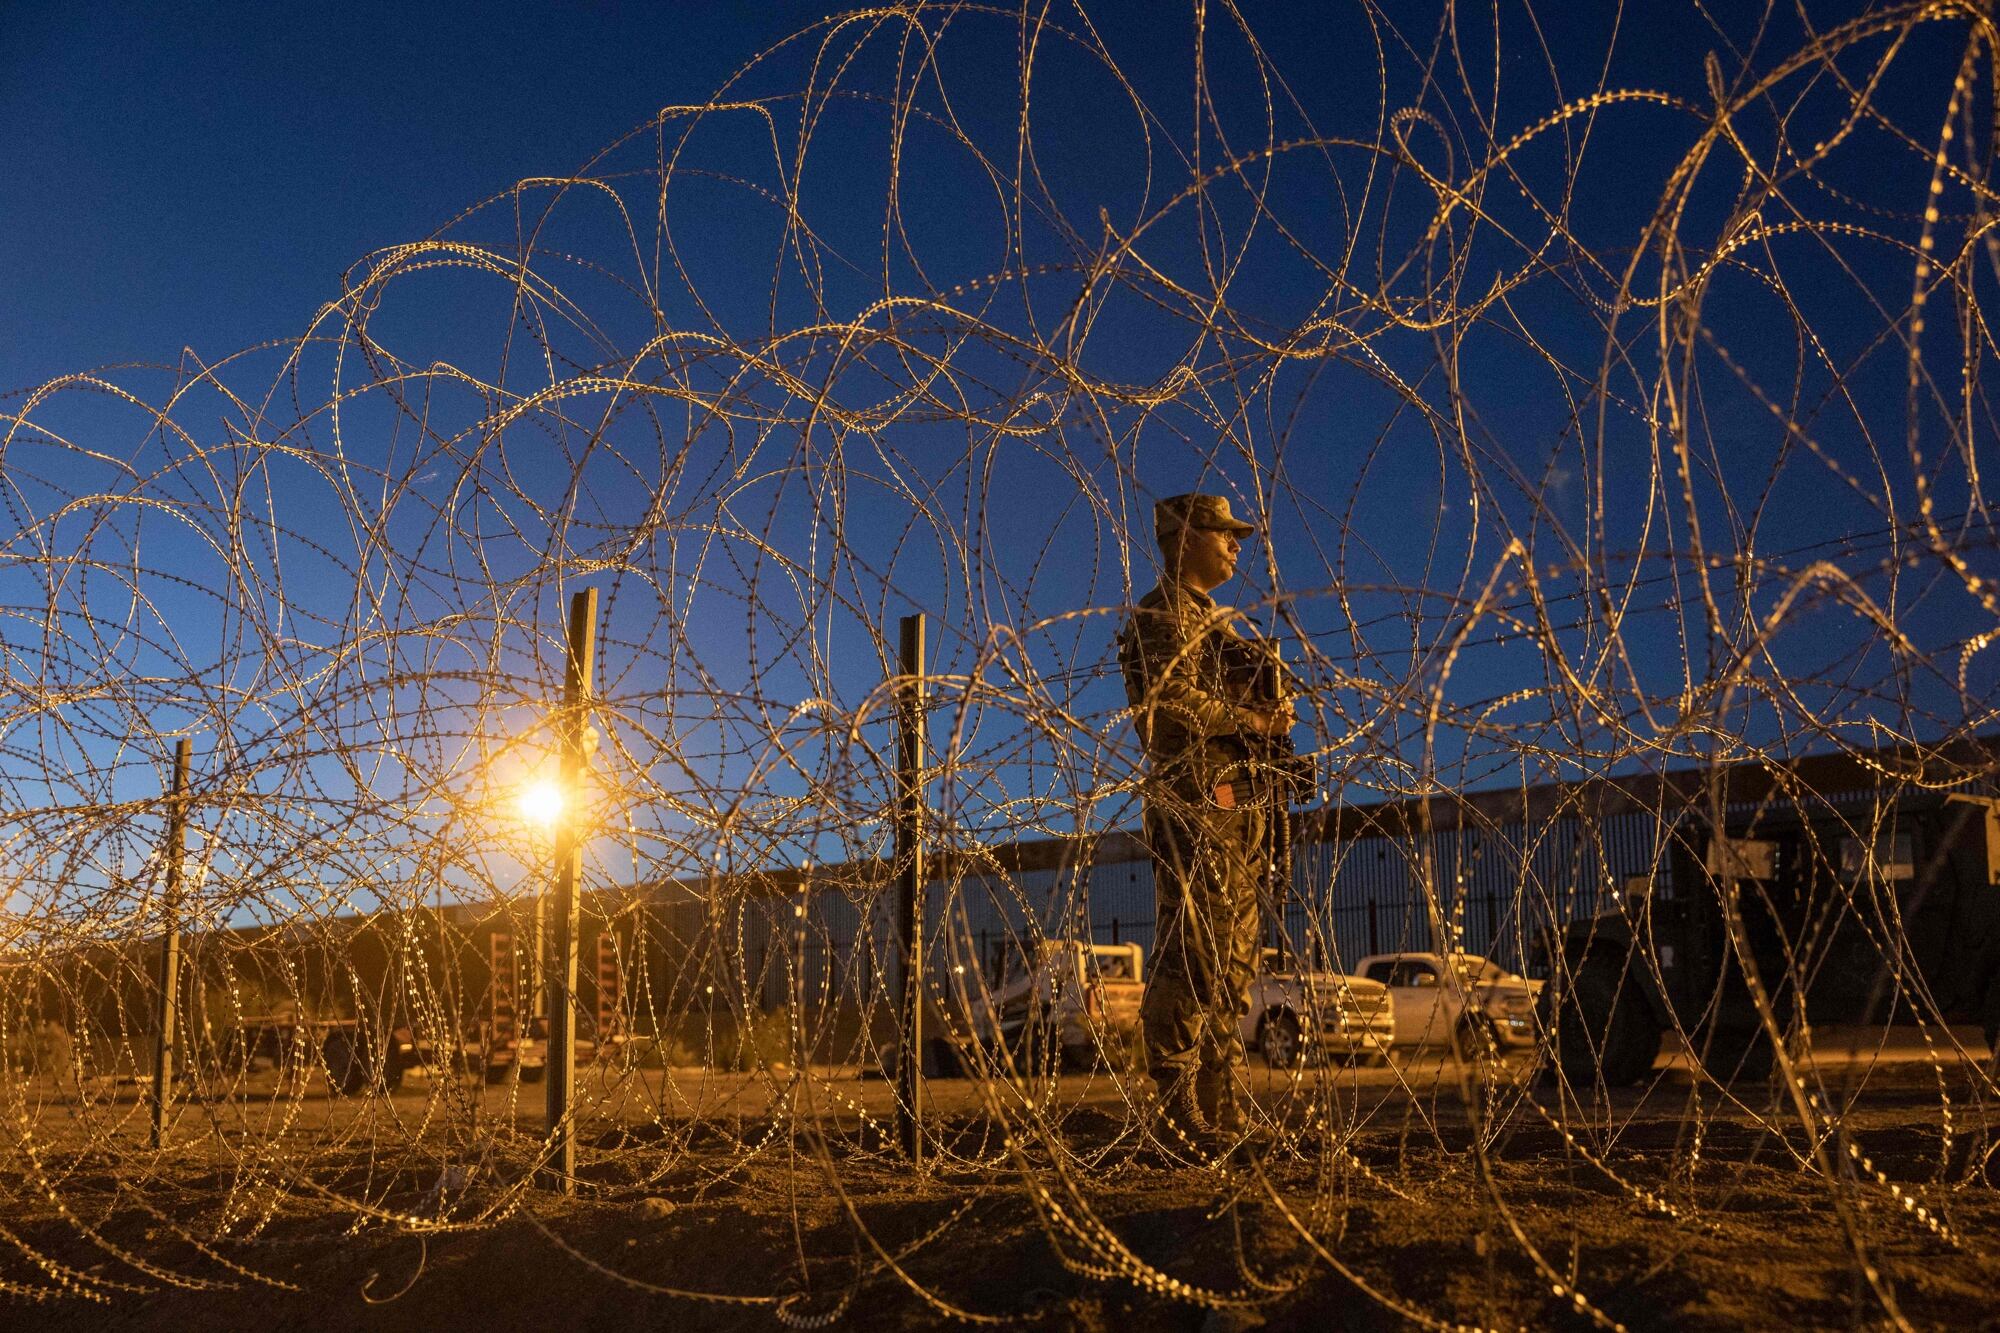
509,1041
1076,1004
497,1051
355,1055
1296,1014
1861,904
1462,999
358,1056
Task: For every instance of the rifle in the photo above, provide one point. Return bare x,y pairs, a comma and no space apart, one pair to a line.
1280,777
1257,675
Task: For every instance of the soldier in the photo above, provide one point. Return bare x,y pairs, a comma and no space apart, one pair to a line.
1206,821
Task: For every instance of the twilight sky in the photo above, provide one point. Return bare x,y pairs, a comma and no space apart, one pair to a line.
1582,413
201,174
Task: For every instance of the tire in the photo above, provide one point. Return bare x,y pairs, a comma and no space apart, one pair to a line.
1474,1038
1280,1040
534,1073
347,1065
1601,1026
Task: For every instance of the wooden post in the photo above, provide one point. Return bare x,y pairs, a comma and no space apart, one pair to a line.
909,890
164,1031
572,731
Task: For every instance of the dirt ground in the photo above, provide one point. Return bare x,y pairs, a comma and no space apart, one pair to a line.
760,1201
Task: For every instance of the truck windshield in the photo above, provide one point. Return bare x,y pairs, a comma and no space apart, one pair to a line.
1114,966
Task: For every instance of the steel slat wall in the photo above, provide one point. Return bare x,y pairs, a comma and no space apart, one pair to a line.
1496,885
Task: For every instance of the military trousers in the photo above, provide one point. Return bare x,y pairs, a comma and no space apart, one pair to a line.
1209,867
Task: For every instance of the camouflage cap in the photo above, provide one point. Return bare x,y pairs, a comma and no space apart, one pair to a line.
1197,511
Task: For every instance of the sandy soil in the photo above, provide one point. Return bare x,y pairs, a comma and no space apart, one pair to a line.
754,1201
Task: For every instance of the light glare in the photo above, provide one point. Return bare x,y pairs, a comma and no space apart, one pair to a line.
542,803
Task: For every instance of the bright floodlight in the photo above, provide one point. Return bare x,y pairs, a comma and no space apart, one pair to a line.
542,803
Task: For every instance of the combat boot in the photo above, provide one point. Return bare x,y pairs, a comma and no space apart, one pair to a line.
1210,1085
1221,1101
1182,1129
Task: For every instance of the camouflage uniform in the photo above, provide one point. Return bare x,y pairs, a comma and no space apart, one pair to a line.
1206,835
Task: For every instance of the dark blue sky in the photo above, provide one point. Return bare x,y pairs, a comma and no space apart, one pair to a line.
203,176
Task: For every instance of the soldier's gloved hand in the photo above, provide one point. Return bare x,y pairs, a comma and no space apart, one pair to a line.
1268,722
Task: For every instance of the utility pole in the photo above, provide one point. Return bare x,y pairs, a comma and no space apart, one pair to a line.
164,1033
574,738
909,889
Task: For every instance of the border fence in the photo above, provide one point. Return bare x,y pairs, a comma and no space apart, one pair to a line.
1490,873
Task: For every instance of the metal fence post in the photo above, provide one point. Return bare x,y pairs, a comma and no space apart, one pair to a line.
909,889
571,731
164,1031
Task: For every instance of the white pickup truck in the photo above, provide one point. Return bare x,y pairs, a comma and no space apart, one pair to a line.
1064,1004
1077,1002
1297,1013
1482,1003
